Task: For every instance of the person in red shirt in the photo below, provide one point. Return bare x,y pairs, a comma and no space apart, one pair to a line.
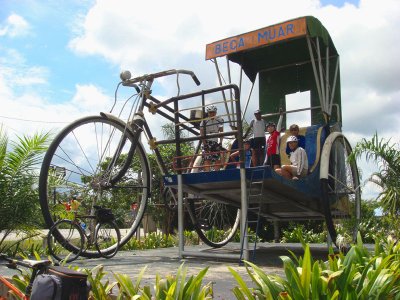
272,157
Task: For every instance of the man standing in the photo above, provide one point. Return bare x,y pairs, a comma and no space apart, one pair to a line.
211,148
258,144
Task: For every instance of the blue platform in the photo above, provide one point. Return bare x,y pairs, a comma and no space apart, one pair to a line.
282,199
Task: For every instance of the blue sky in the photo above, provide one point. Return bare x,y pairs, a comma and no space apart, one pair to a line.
60,60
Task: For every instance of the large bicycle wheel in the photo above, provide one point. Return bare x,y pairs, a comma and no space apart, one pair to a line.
71,237
107,238
170,199
341,195
94,160
215,223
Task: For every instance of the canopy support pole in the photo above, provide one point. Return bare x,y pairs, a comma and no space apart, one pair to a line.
334,83
228,66
314,70
223,92
327,82
323,99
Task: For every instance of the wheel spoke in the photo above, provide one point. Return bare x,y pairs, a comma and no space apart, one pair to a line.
80,163
215,223
343,194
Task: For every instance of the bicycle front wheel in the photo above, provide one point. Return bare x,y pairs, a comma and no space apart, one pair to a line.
65,241
107,238
95,160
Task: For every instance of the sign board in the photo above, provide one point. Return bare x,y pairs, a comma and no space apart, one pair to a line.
257,38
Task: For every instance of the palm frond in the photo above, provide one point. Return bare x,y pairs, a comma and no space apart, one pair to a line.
386,155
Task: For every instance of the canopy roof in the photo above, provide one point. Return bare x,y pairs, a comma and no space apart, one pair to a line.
273,46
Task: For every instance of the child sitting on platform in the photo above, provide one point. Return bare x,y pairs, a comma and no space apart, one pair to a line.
298,159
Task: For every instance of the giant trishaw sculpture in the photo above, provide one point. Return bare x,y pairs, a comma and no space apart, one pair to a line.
296,55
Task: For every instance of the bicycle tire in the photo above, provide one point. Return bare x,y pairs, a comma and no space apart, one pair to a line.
341,195
107,238
76,163
215,223
65,241
170,199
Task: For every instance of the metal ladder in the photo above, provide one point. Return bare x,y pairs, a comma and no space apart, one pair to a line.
254,204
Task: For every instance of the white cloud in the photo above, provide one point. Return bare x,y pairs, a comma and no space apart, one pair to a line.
16,71
145,43
89,98
14,26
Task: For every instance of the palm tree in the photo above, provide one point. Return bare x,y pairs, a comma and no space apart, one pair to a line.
386,156
19,161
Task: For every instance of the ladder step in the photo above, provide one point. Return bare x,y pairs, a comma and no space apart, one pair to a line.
257,182
253,209
252,195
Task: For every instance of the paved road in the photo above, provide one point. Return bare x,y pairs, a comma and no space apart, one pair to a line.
166,261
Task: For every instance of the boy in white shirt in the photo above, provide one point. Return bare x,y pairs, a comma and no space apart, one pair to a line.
258,126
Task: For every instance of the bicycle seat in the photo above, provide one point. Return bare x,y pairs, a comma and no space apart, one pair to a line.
37,263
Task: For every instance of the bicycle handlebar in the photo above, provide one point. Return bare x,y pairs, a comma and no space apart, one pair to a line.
126,80
27,263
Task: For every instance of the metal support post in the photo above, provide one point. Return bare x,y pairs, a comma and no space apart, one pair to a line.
180,216
243,214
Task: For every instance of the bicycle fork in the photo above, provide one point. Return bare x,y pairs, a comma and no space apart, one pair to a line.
135,128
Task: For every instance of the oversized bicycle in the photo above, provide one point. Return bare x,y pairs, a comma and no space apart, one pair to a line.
101,160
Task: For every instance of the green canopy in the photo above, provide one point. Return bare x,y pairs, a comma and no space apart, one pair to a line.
295,55
285,52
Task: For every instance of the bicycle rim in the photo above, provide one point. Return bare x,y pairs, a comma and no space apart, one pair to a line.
79,163
215,223
65,241
107,238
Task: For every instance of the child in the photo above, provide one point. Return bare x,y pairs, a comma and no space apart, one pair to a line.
258,127
294,130
298,161
247,155
272,158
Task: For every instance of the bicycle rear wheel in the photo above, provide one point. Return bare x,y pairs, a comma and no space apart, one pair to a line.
107,238
340,191
215,223
93,159
65,241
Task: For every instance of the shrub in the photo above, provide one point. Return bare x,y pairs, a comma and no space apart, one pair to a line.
357,275
300,233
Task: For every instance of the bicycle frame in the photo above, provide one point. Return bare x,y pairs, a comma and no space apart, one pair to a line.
9,288
137,123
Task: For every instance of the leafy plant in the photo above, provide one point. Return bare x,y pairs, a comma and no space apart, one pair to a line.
177,287
357,275
151,241
18,177
301,233
171,287
386,155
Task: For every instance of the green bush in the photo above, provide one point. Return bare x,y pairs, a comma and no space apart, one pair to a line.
357,275
151,241
300,233
169,287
